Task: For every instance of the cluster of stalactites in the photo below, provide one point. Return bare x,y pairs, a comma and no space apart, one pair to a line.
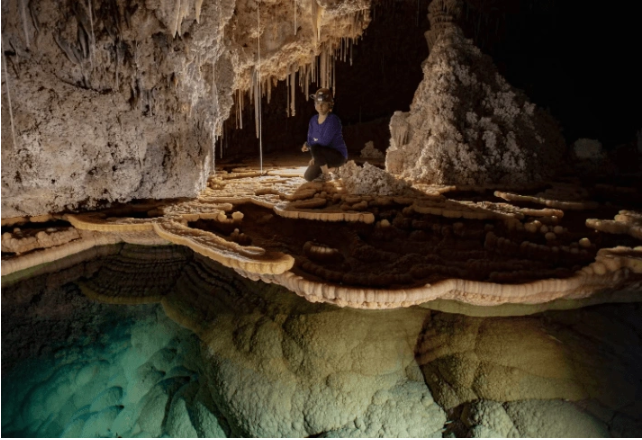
319,69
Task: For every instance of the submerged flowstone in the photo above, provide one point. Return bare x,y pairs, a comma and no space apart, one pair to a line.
76,368
272,364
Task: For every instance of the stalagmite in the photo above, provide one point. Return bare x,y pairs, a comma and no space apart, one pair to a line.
6,79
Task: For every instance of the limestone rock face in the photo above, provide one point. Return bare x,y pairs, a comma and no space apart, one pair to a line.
112,101
468,126
278,366
557,355
531,418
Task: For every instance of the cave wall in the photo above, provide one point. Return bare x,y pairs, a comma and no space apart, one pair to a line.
129,109
115,100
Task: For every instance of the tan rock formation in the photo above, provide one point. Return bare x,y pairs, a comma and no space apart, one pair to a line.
386,251
558,355
248,258
626,222
274,365
124,101
371,180
467,125
300,369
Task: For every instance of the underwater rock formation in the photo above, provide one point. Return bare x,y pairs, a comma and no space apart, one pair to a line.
584,356
74,367
467,125
279,366
272,364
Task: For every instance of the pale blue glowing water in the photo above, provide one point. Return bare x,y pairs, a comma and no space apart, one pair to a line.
138,378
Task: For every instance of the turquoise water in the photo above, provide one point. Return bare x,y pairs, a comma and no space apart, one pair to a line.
136,376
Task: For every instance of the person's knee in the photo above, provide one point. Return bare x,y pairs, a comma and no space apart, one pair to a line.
312,173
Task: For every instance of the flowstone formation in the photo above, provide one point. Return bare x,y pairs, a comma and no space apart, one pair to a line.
272,364
538,364
467,125
75,367
564,245
111,101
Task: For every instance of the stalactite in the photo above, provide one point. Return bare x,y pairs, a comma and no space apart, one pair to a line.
257,100
295,17
93,36
293,90
315,25
215,100
178,19
221,138
213,150
6,82
269,91
198,5
241,96
259,115
308,75
23,12
287,95
252,88
334,77
323,69
351,51
117,65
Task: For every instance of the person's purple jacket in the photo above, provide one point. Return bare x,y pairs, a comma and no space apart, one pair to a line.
328,134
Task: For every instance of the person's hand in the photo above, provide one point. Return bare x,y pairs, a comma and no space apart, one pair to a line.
305,147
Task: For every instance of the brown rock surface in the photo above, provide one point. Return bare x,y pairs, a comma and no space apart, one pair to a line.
115,101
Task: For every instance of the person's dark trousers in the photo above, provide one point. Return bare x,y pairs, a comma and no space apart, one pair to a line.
323,156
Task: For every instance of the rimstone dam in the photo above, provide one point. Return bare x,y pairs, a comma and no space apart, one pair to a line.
472,269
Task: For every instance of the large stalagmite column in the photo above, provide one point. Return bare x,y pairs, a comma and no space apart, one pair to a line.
467,125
